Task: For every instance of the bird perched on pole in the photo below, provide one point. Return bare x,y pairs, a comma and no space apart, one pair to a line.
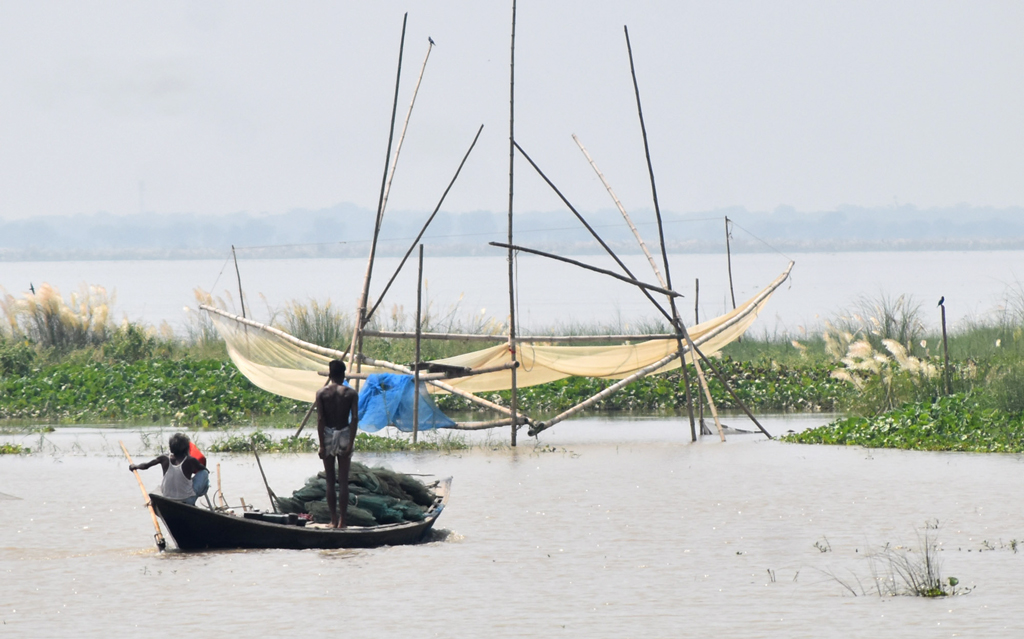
941,300
431,41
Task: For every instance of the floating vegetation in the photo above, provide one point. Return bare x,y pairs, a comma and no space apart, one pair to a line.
955,423
14,449
764,386
195,393
244,443
902,571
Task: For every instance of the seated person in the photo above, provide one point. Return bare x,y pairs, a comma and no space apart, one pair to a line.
180,471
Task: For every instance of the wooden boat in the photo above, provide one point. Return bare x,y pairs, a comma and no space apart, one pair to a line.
197,528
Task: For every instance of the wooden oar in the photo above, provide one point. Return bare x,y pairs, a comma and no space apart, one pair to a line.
159,536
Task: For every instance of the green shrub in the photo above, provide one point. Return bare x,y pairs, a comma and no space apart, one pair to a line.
16,358
129,343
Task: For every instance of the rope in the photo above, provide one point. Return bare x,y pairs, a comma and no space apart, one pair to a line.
221,273
733,222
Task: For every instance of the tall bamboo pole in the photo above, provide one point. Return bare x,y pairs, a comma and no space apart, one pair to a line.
241,300
661,238
416,370
513,403
357,341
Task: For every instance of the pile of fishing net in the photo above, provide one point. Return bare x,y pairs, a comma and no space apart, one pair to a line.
375,496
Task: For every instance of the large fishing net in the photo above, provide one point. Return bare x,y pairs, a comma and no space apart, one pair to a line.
376,496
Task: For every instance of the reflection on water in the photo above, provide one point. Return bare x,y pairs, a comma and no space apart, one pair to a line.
608,528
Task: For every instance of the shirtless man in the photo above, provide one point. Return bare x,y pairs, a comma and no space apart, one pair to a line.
180,470
337,420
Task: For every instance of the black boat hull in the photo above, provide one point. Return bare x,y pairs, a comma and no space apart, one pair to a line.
196,528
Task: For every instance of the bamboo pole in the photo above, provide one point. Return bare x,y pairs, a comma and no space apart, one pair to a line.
497,423
596,269
661,238
514,399
423,230
241,299
159,536
357,342
643,372
416,371
945,349
220,493
622,209
728,261
696,301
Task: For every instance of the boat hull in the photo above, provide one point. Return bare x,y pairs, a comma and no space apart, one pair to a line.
195,528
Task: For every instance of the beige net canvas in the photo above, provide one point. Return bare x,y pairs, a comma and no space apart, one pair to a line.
284,365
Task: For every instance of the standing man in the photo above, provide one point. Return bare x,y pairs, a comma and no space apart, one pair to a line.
337,420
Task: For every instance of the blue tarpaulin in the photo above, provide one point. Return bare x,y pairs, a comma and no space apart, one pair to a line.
386,400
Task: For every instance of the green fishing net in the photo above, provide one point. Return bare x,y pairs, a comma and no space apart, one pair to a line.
376,496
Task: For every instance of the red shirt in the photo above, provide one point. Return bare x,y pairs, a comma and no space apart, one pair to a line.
198,454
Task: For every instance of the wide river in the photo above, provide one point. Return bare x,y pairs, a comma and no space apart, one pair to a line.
552,294
608,528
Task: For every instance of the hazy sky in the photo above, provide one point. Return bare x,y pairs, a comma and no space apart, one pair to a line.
228,106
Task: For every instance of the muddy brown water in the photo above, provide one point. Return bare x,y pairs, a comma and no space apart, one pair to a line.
608,528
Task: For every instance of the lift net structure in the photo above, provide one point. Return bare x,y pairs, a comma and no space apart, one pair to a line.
282,364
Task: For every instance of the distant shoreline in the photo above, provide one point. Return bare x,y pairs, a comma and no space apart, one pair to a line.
478,250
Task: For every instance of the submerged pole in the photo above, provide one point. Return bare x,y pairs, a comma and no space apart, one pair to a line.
241,300
513,401
416,369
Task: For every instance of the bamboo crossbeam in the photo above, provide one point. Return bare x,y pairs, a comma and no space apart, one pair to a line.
643,372
469,337
630,280
497,423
